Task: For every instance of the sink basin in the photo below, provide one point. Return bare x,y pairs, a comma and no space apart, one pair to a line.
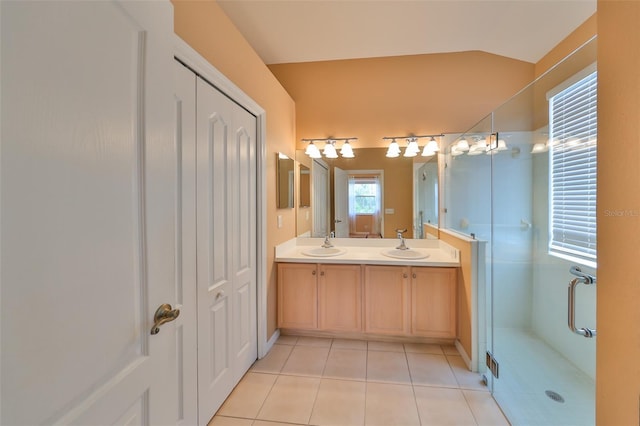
323,252
405,254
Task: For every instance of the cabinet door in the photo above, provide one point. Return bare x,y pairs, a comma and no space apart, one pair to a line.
433,302
297,296
340,297
386,292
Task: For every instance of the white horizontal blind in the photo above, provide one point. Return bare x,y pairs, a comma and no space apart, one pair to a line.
573,132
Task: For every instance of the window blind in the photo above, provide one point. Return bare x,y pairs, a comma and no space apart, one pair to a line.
573,132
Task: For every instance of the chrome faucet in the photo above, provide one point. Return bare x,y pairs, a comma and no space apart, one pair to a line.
402,245
327,243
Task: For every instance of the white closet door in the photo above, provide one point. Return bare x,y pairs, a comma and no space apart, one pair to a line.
87,206
185,182
243,242
226,246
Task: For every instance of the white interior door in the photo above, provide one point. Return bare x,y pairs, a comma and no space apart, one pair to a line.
88,213
226,246
341,202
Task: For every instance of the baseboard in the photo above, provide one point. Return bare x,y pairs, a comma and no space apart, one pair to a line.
465,357
271,342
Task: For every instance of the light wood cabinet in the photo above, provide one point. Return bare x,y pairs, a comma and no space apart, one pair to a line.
386,294
370,300
340,298
433,302
298,295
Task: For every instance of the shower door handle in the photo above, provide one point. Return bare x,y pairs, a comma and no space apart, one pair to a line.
584,279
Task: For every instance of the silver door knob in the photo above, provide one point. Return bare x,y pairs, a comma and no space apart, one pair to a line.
163,314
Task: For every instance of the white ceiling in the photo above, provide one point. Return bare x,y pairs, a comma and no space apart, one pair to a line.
284,31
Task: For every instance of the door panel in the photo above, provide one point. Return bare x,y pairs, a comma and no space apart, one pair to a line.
244,219
214,281
185,257
226,245
85,146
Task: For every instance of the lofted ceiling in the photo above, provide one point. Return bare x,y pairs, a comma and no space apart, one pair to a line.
286,31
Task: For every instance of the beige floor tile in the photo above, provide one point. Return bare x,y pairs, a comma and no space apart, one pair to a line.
346,364
274,361
388,367
266,423
432,370
229,421
386,346
466,379
484,408
423,348
247,398
290,400
450,350
389,404
339,402
287,340
314,341
442,406
349,344
306,361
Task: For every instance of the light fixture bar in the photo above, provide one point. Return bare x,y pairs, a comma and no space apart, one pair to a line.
328,139
413,136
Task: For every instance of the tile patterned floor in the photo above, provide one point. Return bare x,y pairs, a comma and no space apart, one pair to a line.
317,381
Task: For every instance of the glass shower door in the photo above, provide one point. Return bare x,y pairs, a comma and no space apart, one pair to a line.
546,373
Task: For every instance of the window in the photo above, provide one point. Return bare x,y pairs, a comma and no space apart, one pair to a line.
366,197
573,132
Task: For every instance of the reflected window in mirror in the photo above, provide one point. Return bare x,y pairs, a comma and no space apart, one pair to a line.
285,181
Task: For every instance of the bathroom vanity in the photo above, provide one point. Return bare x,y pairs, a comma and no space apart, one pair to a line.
363,288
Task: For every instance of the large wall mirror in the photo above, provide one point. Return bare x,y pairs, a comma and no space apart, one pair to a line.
369,196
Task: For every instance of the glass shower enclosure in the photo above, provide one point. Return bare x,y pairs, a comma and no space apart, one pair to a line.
497,189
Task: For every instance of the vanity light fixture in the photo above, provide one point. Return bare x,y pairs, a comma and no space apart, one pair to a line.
330,150
412,149
313,151
463,145
394,149
346,150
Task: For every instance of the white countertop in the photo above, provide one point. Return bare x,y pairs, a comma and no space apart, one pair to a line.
368,251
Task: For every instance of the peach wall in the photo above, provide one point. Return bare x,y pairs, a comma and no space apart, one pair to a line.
618,216
465,297
421,94
205,27
578,37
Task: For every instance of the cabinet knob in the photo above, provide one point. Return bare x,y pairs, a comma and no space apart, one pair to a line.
322,273
313,272
405,275
414,275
